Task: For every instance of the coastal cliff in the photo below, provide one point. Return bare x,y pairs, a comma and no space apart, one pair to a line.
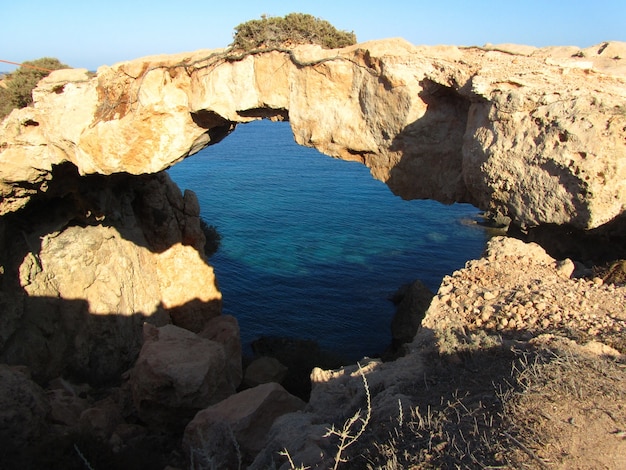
104,277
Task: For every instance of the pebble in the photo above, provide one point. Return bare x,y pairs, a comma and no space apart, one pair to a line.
489,295
445,289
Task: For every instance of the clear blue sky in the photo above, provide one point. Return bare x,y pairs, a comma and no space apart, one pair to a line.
89,33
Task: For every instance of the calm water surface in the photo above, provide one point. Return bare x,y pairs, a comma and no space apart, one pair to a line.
312,247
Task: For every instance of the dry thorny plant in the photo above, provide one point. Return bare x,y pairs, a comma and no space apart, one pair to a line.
495,421
493,418
353,428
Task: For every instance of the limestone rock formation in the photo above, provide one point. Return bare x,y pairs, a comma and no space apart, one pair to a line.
96,239
84,270
534,134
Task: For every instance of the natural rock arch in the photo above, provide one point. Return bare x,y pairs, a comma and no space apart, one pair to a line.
454,124
533,134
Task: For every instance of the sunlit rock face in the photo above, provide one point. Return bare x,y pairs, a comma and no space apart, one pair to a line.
534,134
96,240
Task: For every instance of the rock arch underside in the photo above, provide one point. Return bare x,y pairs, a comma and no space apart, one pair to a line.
103,265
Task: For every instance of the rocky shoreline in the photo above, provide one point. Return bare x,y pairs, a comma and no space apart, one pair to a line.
516,297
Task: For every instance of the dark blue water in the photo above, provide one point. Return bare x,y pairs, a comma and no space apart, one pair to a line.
312,247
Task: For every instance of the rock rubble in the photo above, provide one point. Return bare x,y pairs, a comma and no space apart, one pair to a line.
518,291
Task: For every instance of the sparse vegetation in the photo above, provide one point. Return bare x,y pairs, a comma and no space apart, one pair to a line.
20,84
353,428
5,100
288,31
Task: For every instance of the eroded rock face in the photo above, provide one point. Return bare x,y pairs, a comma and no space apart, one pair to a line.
534,134
83,270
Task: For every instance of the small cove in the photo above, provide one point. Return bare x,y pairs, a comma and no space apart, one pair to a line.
312,247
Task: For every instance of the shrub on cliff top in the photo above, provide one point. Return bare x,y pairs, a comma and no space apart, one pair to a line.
293,29
20,84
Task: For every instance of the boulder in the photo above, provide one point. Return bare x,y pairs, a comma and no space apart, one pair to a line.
24,408
301,435
66,407
264,370
100,420
236,429
177,374
224,329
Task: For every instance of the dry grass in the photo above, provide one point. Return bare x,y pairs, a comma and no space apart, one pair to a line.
571,409
533,408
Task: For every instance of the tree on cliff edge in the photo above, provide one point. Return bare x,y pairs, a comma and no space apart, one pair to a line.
20,84
293,29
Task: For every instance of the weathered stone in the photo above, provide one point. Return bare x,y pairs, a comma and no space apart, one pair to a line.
100,420
237,428
224,329
66,407
23,409
301,435
177,374
566,267
264,370
187,285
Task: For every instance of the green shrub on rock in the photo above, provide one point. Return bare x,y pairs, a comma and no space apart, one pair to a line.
288,31
20,84
5,101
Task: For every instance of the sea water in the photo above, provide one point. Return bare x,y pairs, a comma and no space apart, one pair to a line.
313,247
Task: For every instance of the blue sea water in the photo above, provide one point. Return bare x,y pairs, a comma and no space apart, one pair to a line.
312,247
